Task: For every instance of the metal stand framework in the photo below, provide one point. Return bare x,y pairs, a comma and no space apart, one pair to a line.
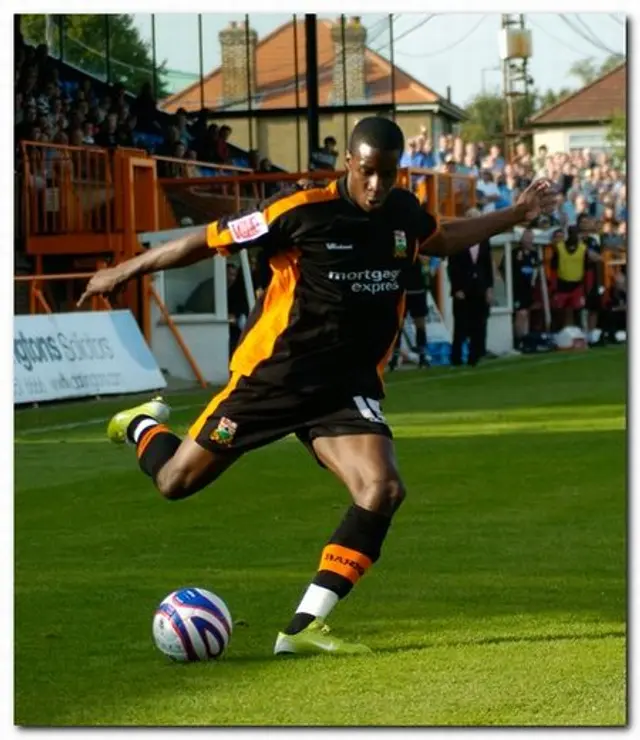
515,85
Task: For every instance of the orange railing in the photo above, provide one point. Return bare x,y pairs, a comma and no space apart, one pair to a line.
40,303
66,189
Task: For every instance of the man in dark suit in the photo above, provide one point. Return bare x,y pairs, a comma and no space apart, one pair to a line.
471,277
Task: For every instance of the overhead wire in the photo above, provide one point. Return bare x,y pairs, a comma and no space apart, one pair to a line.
446,48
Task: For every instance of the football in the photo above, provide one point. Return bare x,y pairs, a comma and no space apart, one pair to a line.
192,624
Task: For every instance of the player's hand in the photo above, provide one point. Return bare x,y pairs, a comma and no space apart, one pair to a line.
103,282
539,197
489,296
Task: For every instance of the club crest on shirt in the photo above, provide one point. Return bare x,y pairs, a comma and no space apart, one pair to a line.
399,244
224,433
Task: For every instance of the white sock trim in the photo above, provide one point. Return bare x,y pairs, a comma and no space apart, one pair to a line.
318,601
141,426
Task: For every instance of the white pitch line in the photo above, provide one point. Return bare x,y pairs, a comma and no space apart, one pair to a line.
89,422
419,378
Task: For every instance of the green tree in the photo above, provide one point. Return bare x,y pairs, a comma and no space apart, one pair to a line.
486,117
588,70
84,46
550,97
617,137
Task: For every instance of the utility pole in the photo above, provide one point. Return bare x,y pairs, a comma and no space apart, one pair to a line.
514,53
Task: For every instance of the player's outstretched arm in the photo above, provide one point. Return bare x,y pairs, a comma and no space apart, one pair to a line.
455,236
177,253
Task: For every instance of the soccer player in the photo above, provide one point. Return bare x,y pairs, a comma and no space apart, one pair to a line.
311,357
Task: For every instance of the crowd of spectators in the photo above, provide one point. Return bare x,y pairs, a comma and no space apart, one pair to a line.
50,109
587,181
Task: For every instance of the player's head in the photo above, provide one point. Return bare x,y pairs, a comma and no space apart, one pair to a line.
375,147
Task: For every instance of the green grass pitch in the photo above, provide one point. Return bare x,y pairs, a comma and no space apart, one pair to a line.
500,597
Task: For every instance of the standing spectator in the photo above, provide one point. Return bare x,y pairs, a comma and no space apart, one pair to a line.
208,151
569,262
443,149
145,109
181,123
429,156
471,278
413,156
497,160
524,270
488,193
224,155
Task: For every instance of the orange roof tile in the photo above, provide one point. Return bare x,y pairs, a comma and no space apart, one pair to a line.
596,102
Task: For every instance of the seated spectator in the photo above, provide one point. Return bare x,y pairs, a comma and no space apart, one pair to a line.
107,137
126,132
505,193
88,132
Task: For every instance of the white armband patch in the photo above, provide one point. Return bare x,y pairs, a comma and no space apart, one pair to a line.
248,228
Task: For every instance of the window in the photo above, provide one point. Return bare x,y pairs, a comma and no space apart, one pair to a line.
597,142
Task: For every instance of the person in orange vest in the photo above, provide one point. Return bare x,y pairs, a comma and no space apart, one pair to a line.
572,255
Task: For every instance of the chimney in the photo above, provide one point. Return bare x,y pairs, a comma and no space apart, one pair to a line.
238,77
355,36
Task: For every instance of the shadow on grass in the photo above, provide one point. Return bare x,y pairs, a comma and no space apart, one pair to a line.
418,646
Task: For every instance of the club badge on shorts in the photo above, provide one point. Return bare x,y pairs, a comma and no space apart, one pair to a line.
224,433
400,244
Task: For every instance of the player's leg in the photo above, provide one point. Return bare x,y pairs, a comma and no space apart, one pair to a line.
178,468
360,453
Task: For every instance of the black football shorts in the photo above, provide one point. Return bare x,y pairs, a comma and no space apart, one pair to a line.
249,413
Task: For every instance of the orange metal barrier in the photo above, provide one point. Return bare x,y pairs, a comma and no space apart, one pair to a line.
445,195
153,294
66,189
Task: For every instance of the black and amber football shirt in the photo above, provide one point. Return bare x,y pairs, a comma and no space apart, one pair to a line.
331,313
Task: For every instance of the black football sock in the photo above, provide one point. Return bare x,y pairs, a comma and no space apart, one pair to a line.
350,552
155,444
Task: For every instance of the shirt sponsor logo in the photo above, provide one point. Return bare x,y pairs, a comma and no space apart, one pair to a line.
248,228
369,281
